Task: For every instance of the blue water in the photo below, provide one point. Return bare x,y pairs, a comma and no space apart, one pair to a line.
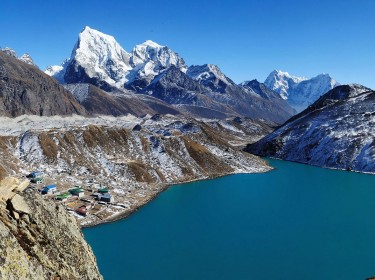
296,222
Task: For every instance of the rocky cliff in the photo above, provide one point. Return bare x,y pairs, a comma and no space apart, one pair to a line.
39,239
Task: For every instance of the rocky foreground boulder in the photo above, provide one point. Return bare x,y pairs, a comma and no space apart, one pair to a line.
39,239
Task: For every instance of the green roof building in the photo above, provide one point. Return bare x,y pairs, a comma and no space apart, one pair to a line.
103,190
77,191
63,196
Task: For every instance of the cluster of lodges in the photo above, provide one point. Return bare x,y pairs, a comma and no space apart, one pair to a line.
102,195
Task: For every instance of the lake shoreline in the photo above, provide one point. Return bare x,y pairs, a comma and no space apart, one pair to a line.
324,167
162,187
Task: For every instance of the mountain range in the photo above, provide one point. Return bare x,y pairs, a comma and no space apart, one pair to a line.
152,75
102,78
154,70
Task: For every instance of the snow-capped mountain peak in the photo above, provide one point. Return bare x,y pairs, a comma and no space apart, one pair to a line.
27,59
280,74
100,53
94,42
300,92
162,56
151,44
148,60
53,70
9,51
280,82
203,72
97,58
209,75
58,71
260,89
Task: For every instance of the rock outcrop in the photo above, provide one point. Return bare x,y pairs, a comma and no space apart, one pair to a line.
40,240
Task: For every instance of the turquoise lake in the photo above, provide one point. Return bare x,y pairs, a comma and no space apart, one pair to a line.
295,222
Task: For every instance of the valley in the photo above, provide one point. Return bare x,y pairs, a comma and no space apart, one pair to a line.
96,138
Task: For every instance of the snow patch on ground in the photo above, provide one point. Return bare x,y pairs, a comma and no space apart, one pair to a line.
80,91
18,126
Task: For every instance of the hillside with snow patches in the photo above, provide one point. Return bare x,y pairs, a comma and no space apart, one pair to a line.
154,70
299,92
139,156
337,131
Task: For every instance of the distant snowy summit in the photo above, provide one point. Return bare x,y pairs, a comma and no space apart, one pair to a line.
300,92
211,76
24,58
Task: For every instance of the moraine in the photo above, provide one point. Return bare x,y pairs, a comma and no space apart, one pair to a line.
275,225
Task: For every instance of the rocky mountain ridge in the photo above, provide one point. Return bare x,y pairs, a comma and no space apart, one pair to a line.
24,58
24,89
335,132
99,102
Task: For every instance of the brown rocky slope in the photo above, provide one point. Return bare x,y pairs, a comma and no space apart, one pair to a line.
24,89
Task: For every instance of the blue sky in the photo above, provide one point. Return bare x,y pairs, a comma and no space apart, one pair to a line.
246,39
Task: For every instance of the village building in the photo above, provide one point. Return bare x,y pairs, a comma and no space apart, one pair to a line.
51,189
35,174
37,181
82,210
63,197
96,195
77,191
106,197
103,190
